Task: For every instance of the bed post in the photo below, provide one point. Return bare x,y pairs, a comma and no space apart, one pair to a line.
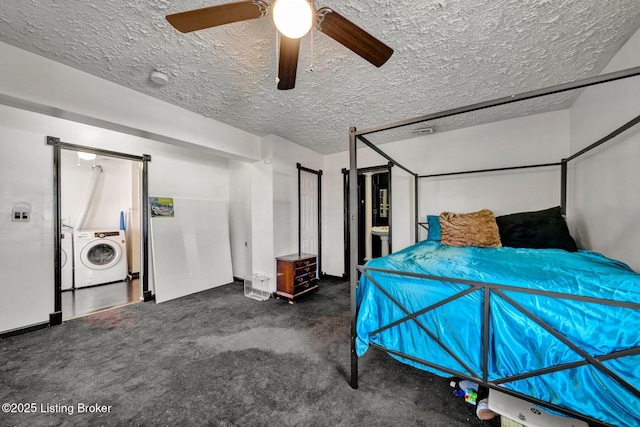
417,213
563,187
353,249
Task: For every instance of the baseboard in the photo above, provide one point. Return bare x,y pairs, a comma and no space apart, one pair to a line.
24,330
329,276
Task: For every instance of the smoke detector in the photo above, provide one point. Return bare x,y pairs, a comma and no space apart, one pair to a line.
159,77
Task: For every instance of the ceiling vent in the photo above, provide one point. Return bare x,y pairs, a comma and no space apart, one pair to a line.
422,131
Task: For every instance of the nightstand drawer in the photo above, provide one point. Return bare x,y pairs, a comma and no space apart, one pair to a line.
305,269
303,278
303,263
304,286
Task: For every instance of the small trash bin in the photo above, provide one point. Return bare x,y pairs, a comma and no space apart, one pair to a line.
256,286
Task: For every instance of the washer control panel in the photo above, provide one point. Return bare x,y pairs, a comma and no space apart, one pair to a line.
103,234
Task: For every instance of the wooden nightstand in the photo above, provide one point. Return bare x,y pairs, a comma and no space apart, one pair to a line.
297,276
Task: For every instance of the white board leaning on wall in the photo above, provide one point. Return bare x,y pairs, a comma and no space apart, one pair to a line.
191,249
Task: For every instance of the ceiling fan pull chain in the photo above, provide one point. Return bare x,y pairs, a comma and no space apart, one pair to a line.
311,66
277,56
315,8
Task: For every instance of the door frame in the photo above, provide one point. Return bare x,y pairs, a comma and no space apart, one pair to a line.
319,174
55,318
347,223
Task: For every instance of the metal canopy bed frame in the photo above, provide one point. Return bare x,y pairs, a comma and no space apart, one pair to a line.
487,289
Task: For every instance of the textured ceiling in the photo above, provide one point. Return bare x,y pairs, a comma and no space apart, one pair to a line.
447,54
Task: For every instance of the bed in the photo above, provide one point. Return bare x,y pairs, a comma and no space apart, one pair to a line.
555,326
554,322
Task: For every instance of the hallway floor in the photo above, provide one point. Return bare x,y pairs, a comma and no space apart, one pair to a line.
83,301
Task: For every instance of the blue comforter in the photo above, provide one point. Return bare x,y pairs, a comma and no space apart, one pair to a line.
517,344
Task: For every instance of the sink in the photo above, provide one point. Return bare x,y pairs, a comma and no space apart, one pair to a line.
383,232
380,230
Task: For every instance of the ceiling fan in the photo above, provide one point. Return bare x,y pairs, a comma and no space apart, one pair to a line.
293,19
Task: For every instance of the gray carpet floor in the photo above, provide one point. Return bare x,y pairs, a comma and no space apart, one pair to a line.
217,358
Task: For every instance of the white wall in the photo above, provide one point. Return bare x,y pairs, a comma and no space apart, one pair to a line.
541,138
605,199
274,202
240,217
133,219
262,215
112,194
26,252
333,213
403,218
188,175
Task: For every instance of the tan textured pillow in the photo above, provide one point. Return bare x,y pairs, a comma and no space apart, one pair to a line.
470,229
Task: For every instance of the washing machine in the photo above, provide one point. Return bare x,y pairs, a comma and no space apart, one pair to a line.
66,259
100,257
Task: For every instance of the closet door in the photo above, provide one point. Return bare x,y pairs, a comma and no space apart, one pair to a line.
309,231
309,203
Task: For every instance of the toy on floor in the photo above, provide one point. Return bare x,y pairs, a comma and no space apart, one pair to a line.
469,390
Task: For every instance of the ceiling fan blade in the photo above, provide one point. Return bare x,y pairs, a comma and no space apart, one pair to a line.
288,62
352,37
213,16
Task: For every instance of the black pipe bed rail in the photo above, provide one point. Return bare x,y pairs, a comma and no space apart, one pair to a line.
563,87
420,325
383,154
570,365
587,357
542,165
631,123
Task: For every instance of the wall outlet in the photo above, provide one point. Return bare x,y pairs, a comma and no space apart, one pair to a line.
20,215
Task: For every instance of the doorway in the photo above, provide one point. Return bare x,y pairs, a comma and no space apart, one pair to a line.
100,239
374,214
101,230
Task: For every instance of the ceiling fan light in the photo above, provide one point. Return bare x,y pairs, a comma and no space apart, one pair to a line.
293,18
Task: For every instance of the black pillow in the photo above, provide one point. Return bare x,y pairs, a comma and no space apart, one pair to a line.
544,229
